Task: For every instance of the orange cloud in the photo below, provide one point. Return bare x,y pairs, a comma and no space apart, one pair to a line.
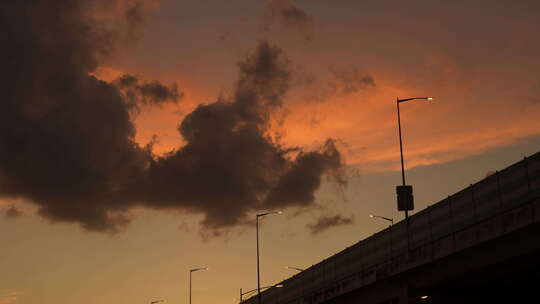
158,121
454,126
465,118
107,73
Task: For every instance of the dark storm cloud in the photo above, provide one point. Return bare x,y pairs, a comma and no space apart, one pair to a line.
67,138
298,185
326,222
147,93
229,165
12,212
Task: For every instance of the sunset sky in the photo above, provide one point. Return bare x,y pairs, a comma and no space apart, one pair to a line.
139,138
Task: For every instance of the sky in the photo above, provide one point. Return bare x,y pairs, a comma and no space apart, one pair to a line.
139,138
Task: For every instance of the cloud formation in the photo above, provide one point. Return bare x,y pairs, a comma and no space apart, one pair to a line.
288,15
67,138
230,165
349,81
326,222
146,93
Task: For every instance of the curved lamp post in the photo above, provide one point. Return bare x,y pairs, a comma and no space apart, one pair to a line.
391,220
190,272
404,192
294,268
258,271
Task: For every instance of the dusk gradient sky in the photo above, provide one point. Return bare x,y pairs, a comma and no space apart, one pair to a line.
139,138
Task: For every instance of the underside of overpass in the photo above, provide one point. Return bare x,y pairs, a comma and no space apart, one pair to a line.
503,270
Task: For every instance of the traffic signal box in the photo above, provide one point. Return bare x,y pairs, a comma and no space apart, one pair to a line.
405,198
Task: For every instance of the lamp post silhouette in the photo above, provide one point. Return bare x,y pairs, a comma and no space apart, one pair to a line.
404,192
190,272
294,268
391,220
262,288
258,271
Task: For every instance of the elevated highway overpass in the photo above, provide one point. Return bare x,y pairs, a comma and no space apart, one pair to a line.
479,245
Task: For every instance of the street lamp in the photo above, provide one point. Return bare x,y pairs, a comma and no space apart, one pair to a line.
262,288
156,301
294,268
404,192
391,220
258,271
190,272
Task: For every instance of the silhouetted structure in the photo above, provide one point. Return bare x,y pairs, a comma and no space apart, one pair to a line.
479,245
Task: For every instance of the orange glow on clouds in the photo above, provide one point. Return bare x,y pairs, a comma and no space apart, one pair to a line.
452,126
